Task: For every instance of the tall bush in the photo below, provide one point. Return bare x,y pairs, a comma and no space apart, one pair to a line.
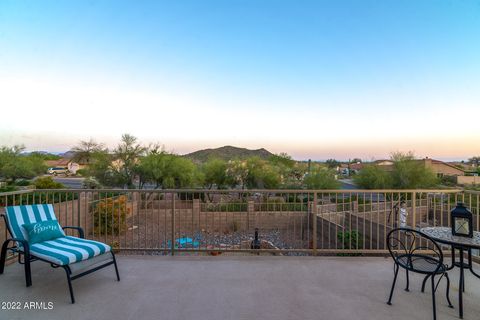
110,216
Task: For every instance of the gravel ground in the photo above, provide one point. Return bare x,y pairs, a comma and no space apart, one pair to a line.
233,241
228,240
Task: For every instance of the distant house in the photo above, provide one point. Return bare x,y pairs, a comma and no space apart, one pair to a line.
62,162
355,167
73,167
348,168
66,163
440,168
387,165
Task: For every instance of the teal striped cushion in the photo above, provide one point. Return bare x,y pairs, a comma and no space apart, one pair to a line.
17,216
68,250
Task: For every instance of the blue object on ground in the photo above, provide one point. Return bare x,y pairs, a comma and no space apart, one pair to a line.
187,242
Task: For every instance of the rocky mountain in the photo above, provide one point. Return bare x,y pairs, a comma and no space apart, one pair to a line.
228,153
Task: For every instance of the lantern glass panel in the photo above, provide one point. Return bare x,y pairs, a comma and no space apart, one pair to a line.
461,221
461,226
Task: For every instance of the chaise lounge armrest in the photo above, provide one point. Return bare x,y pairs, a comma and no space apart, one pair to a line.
26,252
79,229
25,249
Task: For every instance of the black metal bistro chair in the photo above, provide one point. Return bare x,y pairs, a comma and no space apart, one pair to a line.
417,252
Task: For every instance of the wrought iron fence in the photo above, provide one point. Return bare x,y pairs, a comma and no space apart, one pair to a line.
290,222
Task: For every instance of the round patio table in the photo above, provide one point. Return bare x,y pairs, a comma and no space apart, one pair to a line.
444,235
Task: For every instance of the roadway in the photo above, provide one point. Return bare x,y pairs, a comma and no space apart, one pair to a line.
69,182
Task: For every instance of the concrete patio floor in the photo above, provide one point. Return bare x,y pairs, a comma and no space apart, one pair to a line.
230,287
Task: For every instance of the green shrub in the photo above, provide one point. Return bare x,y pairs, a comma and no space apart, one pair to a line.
23,183
109,216
91,183
8,188
47,183
350,240
373,177
35,197
82,172
321,178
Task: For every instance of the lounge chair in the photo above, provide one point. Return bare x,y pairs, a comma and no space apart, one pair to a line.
37,235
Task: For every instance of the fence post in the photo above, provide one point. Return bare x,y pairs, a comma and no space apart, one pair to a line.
195,214
314,222
79,196
172,248
414,208
250,210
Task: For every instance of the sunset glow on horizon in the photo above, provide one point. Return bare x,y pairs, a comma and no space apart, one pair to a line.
314,79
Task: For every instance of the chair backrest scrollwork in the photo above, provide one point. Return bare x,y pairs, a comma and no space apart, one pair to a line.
410,243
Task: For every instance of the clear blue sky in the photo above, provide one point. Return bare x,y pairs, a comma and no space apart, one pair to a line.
317,79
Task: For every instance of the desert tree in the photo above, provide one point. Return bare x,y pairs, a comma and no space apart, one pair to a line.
85,150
